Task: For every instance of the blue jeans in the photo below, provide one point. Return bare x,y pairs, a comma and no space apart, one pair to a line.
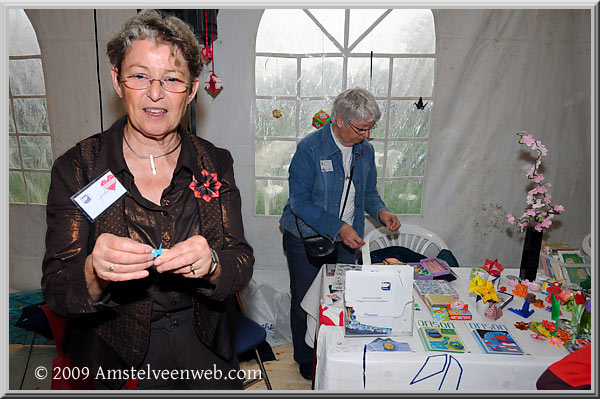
303,271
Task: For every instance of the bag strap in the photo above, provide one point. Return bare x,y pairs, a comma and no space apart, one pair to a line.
341,213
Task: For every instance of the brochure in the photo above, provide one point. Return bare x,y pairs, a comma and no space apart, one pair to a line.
495,340
369,303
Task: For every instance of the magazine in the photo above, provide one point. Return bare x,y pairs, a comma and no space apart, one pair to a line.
441,339
495,340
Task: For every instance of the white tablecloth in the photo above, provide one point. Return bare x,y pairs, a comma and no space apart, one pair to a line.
340,359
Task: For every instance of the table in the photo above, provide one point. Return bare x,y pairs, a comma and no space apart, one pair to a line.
340,360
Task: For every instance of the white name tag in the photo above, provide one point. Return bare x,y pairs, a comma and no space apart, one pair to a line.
326,165
99,195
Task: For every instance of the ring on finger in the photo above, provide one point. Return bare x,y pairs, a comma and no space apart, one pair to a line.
111,267
192,270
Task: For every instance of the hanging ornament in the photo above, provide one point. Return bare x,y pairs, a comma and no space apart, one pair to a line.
214,85
320,119
207,53
277,113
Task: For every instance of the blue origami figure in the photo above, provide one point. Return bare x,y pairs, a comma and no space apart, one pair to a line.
524,312
156,252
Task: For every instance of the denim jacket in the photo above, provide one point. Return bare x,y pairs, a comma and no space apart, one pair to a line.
316,192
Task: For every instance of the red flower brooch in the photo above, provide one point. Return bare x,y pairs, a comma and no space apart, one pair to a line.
207,187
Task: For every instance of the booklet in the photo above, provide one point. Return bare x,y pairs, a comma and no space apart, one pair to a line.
495,339
369,303
440,337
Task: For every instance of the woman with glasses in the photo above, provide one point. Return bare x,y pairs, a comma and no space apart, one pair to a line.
145,246
332,183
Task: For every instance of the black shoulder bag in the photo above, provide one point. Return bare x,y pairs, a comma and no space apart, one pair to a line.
319,246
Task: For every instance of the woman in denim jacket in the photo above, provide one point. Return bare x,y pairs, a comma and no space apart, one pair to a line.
326,162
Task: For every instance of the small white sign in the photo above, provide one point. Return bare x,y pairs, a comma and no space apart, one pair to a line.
326,165
99,195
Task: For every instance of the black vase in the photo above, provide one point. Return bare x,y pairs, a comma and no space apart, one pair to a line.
531,254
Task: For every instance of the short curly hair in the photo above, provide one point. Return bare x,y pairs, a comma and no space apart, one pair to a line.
151,24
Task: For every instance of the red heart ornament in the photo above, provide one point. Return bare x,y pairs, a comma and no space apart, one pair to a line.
110,183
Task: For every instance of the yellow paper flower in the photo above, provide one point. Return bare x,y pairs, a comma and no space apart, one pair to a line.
483,288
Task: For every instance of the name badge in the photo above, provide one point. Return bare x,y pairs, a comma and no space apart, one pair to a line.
99,195
326,165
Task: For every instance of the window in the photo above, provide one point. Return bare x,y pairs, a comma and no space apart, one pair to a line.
304,58
30,150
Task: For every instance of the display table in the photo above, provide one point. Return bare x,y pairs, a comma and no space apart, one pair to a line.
343,363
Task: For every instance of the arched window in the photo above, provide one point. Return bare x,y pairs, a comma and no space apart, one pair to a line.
304,58
29,132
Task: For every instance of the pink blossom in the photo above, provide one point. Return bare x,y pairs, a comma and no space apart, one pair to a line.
538,228
538,204
530,199
511,218
530,212
546,223
523,225
542,148
547,198
538,190
530,172
538,178
528,139
559,208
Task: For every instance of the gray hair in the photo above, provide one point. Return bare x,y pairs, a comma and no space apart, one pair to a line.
150,24
355,104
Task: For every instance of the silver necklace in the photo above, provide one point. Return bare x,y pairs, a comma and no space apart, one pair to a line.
150,157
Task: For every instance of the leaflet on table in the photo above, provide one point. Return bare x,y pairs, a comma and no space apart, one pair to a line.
495,339
340,273
403,298
443,337
369,303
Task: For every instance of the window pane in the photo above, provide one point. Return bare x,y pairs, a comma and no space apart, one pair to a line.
412,77
379,131
271,196
275,76
14,152
321,76
268,125
413,32
291,31
272,158
16,187
308,109
36,152
403,196
406,158
361,20
332,20
38,185
22,39
359,70
406,120
378,147
31,115
26,77
11,123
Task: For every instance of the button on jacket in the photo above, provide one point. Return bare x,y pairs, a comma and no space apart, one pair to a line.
316,191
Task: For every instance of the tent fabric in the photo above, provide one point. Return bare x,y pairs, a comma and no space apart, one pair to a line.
497,72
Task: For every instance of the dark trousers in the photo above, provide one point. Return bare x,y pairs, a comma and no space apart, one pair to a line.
174,345
303,271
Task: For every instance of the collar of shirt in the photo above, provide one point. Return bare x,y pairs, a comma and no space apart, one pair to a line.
111,155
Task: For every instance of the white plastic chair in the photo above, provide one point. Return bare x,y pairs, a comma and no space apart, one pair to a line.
411,236
586,245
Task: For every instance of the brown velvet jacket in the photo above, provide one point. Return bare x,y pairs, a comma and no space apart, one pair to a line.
113,332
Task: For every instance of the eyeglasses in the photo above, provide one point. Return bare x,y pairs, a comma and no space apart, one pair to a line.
362,132
139,81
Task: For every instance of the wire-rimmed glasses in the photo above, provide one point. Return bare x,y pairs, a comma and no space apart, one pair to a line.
140,81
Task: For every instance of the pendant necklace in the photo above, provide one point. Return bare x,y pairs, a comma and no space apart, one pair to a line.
150,157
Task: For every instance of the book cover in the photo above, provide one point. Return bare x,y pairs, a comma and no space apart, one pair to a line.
369,302
440,339
496,340
575,274
571,257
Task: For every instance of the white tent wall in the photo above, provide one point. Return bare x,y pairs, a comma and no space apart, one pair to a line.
497,72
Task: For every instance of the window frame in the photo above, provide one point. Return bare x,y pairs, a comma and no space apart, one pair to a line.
345,52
